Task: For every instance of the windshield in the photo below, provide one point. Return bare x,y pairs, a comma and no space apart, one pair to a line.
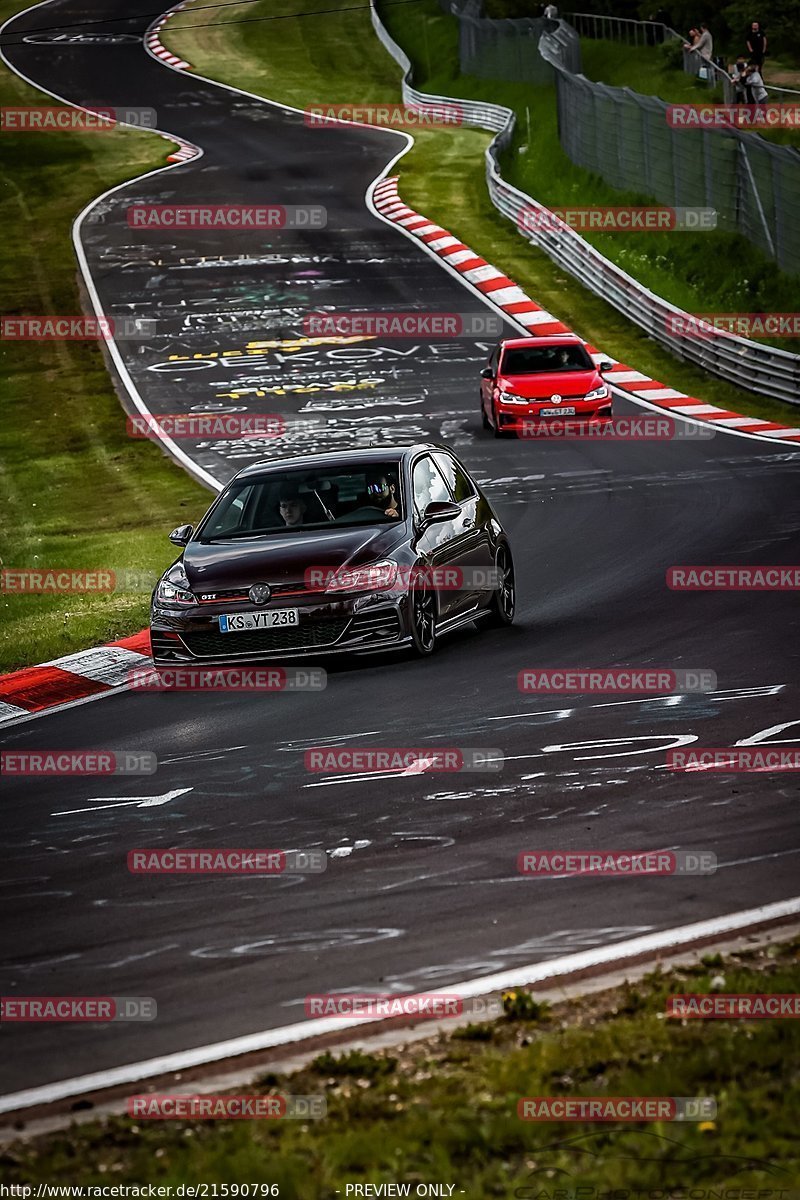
287,501
534,360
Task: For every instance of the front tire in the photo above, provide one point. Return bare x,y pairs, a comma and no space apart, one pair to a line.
422,618
504,598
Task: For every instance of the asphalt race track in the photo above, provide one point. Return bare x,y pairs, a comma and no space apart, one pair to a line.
421,888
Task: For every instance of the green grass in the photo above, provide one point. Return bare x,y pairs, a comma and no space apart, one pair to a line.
77,491
335,57
444,1110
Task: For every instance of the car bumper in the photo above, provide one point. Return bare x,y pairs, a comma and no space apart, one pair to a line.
528,421
362,624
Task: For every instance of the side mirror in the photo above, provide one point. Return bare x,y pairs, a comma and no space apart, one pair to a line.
440,510
181,535
605,366
487,373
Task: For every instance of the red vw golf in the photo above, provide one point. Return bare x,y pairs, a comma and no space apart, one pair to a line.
529,380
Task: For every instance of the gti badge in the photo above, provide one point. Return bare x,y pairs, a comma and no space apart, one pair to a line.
555,399
260,593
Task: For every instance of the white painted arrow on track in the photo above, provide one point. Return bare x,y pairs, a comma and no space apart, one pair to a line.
121,802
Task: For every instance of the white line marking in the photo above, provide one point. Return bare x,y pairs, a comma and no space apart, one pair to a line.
124,801
183,1060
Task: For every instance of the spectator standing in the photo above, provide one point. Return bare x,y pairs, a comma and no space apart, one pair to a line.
757,44
705,43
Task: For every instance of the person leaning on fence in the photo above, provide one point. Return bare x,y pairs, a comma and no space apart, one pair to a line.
756,44
755,86
738,73
705,43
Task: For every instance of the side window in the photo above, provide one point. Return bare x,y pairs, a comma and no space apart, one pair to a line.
495,358
428,485
458,481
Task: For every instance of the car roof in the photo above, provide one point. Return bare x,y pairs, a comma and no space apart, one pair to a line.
554,339
338,458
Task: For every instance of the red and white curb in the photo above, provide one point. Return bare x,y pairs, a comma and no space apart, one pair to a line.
154,45
80,676
184,152
515,303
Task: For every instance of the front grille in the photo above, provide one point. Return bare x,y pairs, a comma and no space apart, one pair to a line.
239,595
309,635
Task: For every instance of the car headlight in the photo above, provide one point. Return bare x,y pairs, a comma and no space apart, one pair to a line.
510,398
599,393
173,587
376,577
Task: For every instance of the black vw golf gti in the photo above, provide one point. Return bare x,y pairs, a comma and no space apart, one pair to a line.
334,553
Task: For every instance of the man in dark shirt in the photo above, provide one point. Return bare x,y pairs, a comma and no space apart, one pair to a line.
756,44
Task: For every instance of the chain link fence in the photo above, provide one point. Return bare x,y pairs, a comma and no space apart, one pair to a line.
501,49
745,363
624,137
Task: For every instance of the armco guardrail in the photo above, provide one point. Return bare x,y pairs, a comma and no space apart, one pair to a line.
749,365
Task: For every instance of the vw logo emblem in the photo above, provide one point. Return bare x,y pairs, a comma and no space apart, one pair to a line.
555,399
260,593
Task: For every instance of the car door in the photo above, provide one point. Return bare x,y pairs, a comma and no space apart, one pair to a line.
474,555
438,544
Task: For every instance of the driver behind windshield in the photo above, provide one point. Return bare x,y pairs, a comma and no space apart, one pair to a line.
382,493
292,508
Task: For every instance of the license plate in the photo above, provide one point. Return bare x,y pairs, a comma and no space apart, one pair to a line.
569,411
276,617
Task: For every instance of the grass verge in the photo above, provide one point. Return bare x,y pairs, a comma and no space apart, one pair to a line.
334,56
444,1109
78,493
